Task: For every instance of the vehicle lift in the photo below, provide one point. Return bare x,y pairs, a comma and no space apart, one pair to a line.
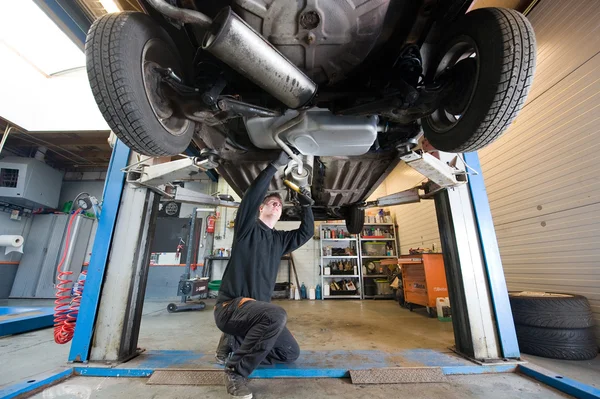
116,282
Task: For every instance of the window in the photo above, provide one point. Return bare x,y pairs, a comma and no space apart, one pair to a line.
9,177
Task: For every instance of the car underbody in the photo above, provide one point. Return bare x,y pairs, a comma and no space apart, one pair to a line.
345,88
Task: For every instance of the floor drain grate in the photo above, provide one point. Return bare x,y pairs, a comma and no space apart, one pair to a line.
398,375
186,377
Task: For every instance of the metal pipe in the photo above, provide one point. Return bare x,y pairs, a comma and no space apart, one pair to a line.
190,247
245,109
5,136
234,42
181,14
288,125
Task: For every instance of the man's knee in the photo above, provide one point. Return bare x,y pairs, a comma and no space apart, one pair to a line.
278,317
292,352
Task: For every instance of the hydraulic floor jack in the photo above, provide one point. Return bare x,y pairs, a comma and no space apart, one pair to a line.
189,287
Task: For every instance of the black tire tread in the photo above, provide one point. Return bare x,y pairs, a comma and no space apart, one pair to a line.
355,220
575,344
515,81
552,312
110,87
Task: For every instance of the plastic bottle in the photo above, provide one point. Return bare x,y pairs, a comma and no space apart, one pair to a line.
78,285
303,291
355,270
292,290
312,293
297,294
443,309
318,291
326,290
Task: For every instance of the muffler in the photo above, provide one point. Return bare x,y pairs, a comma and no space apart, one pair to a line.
233,41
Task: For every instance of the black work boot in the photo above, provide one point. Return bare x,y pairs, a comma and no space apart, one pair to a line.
223,349
236,385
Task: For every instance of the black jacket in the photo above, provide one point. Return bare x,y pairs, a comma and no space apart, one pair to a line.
257,249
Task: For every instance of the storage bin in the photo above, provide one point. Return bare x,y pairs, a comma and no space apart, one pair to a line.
372,248
383,287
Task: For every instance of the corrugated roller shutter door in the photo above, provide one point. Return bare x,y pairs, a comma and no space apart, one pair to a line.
542,176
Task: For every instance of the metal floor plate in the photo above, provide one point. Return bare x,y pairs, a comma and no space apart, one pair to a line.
186,377
398,375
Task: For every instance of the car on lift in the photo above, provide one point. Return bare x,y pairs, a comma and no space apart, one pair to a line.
344,87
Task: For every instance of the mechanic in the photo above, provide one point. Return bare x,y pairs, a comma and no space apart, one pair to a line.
254,330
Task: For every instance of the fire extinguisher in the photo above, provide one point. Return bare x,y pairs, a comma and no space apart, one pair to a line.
210,224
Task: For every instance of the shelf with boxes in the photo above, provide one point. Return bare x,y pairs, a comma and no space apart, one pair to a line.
340,260
378,254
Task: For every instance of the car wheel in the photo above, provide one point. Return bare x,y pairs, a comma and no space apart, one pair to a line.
355,220
490,60
551,310
123,51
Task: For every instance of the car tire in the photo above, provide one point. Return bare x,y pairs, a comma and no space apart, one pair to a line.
551,310
505,62
355,220
119,48
555,343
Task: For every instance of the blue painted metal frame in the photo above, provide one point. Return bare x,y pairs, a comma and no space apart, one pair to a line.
566,385
66,19
491,254
44,318
80,347
37,382
112,372
563,384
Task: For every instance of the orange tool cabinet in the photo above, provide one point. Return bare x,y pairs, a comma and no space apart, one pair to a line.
423,280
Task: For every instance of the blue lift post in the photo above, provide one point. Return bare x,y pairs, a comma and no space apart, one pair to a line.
493,264
113,189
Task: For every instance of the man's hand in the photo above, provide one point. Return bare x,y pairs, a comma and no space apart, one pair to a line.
304,198
282,160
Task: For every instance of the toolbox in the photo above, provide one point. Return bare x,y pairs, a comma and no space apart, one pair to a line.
424,280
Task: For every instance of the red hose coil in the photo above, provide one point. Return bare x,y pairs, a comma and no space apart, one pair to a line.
65,311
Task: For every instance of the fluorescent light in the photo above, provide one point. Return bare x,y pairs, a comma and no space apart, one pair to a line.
110,6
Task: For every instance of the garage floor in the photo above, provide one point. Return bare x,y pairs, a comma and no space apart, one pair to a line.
490,386
318,326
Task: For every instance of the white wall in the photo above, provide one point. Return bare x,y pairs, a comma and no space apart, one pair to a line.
8,270
416,223
306,259
13,227
70,189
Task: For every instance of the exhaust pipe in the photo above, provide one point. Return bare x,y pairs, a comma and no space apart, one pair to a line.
234,42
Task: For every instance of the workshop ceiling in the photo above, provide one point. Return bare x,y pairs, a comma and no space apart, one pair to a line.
85,151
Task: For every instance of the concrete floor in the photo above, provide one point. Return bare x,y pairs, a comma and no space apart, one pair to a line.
586,371
317,325
490,386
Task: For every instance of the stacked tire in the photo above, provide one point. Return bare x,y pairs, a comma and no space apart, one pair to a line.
554,325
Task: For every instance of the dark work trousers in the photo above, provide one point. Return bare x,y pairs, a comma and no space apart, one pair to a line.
260,326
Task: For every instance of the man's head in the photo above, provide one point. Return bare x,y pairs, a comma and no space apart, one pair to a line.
270,209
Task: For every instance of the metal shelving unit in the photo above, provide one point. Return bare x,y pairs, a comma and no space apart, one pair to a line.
337,242
366,259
